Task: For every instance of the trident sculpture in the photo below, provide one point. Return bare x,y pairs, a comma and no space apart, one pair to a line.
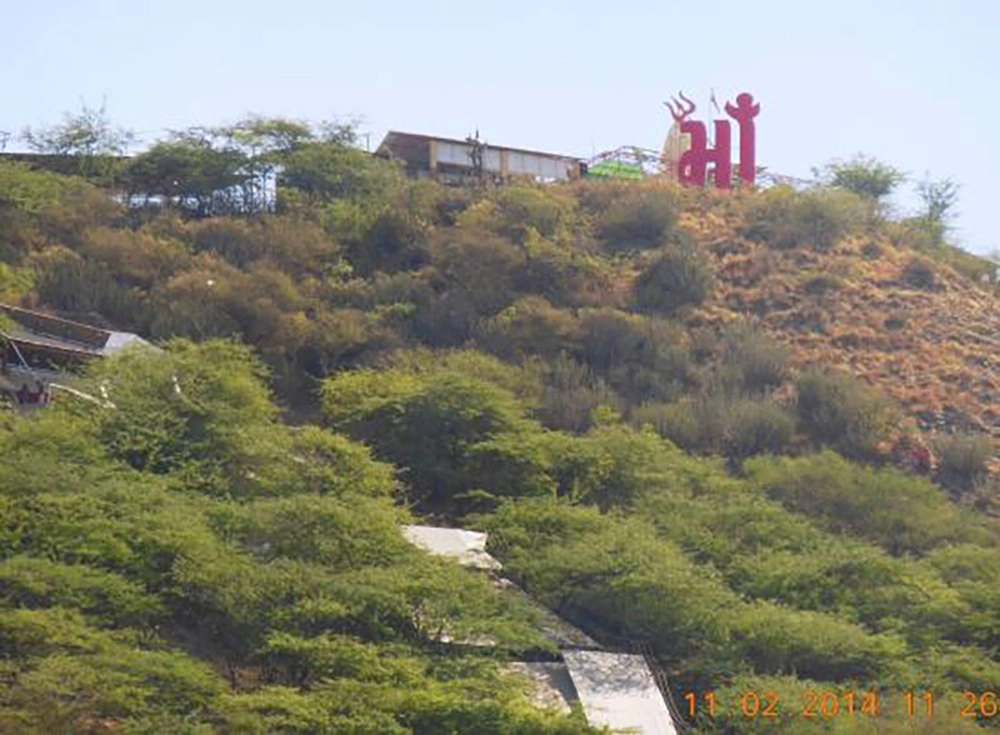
692,168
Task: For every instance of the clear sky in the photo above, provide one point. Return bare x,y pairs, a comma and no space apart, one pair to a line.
915,84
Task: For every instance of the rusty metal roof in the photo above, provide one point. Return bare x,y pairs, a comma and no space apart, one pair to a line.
46,331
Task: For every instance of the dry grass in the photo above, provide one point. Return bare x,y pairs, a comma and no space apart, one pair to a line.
936,353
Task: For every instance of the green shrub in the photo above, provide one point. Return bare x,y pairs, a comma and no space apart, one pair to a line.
473,278
530,325
68,282
962,459
395,240
823,217
926,237
758,427
679,422
838,411
565,274
450,434
638,220
817,218
719,425
752,362
865,177
570,395
642,358
543,209
777,639
903,514
681,276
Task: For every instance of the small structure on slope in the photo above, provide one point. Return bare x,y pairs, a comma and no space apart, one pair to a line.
40,349
468,548
619,691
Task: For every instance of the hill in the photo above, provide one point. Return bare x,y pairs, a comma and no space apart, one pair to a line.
913,326
634,388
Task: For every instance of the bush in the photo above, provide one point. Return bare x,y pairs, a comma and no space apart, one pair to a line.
235,240
530,325
524,208
681,276
777,639
865,177
838,411
680,422
571,394
820,218
135,258
638,220
565,274
642,358
718,425
917,233
758,427
396,240
919,273
473,278
962,459
752,361
70,283
452,435
903,514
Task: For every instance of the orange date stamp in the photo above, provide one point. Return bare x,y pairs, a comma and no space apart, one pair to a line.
827,705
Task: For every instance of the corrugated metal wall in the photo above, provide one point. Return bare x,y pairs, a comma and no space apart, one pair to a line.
518,163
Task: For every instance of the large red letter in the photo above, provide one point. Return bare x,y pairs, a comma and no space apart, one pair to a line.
744,111
693,166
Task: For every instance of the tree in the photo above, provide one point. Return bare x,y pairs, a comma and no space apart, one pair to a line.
326,170
865,176
89,137
939,197
191,172
453,435
265,142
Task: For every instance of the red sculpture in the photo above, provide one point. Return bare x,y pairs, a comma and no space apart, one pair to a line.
692,168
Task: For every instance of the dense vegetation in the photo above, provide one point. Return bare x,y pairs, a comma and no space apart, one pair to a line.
546,363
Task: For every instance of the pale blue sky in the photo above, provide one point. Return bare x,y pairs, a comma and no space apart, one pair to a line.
914,84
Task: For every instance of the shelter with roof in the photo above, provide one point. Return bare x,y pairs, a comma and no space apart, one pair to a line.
454,161
40,349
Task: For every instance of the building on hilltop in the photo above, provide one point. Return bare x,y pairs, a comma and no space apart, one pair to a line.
453,161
